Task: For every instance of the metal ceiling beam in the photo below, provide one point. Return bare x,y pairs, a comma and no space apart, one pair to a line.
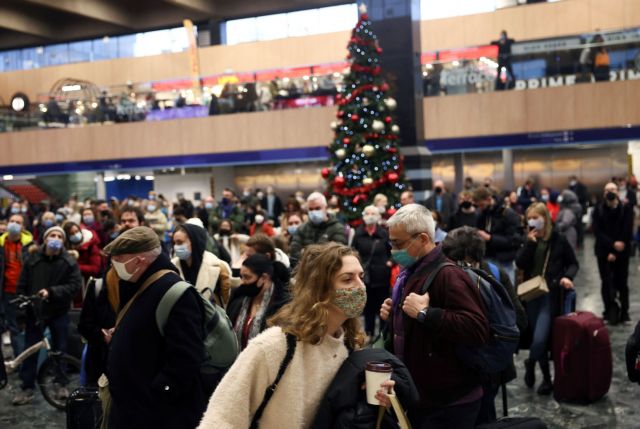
22,22
200,6
97,10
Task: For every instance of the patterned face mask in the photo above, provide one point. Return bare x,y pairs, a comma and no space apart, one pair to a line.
350,301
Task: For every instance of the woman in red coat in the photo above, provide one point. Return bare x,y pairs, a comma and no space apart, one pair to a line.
84,244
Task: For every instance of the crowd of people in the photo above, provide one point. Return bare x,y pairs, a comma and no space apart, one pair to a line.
294,281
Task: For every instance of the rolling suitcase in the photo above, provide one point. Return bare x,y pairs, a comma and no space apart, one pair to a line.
84,410
515,423
581,358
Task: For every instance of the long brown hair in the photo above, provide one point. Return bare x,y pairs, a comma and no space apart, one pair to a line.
305,316
541,210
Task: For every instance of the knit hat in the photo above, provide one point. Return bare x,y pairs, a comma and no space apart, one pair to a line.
55,228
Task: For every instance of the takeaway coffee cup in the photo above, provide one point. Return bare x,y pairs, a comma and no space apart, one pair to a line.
375,374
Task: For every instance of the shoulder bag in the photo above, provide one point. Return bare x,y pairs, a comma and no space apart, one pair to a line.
535,286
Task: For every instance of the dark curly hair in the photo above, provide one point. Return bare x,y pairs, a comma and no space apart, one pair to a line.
462,243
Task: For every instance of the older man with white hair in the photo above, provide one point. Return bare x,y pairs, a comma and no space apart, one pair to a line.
321,228
429,325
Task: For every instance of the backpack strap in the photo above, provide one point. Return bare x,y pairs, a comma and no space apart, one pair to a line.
170,297
432,276
291,349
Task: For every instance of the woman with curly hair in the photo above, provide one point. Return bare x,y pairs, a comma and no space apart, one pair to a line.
322,321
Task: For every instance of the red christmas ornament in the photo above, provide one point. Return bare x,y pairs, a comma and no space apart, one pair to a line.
339,97
364,17
325,172
338,181
349,56
379,50
346,140
384,87
391,211
340,113
355,117
392,150
356,199
387,119
393,177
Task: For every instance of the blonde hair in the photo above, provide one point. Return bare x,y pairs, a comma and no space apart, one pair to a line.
306,315
541,210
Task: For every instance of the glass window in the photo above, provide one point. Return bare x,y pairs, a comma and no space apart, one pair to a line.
302,23
32,58
80,51
271,27
56,54
337,18
241,31
12,60
125,46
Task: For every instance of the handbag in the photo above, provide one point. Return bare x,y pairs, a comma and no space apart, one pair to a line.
401,415
535,286
103,382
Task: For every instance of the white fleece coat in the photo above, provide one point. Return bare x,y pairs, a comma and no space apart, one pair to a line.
212,269
298,395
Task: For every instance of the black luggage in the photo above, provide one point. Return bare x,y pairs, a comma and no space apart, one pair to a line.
84,410
515,423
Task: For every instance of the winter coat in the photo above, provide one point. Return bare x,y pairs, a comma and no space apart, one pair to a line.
90,258
96,314
26,239
310,233
569,217
279,298
447,210
502,223
611,225
58,274
461,218
562,263
214,274
297,397
344,405
378,271
154,380
455,317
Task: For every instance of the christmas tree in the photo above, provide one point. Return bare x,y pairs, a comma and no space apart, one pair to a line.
364,156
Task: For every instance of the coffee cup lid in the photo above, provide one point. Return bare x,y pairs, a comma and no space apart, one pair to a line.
378,367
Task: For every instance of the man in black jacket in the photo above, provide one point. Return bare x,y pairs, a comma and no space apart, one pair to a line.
498,227
442,202
613,227
54,275
154,379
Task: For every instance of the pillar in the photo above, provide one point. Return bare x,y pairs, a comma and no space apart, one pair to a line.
397,25
507,164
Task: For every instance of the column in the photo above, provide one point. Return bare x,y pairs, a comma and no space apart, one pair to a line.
458,168
507,164
397,25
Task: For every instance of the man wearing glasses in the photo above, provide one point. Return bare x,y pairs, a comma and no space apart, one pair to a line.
427,327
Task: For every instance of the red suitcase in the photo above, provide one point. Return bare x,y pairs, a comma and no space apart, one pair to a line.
581,358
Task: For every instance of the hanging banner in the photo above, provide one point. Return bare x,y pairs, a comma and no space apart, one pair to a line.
194,61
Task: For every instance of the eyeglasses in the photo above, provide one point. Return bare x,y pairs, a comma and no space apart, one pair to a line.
395,244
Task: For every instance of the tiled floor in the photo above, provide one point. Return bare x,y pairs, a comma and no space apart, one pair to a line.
619,409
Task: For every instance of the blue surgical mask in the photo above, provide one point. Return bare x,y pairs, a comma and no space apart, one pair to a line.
402,258
291,229
151,208
15,210
14,228
182,251
59,218
88,220
208,206
48,223
54,244
76,238
316,216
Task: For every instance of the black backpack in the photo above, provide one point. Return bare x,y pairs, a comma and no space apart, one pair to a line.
497,354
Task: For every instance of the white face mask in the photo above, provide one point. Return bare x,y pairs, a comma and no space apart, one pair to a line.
122,270
371,219
537,223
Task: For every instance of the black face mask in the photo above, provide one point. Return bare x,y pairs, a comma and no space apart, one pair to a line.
438,190
251,290
610,196
105,213
486,185
466,205
225,232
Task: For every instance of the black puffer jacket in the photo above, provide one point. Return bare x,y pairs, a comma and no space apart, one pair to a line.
502,223
345,402
58,274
